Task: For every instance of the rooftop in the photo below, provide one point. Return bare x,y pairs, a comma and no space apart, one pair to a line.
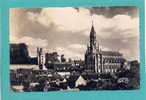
111,53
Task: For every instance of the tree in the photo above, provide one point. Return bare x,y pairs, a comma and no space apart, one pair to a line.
63,58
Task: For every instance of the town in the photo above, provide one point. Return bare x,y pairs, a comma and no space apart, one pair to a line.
100,70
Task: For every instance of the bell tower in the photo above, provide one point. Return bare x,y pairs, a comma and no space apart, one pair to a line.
90,55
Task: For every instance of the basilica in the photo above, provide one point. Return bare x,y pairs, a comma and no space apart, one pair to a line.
100,61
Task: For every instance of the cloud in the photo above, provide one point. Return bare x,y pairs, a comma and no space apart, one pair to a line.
67,29
110,12
58,17
120,24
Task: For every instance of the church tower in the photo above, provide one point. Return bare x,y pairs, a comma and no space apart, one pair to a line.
90,55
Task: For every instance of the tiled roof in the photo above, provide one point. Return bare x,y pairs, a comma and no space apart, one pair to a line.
111,53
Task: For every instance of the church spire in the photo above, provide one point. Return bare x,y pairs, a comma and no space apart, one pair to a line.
92,37
92,22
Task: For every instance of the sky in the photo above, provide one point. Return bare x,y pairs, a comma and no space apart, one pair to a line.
66,30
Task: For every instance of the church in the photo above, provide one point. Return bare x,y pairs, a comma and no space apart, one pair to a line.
100,61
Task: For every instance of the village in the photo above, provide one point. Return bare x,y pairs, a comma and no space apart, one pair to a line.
45,80
100,70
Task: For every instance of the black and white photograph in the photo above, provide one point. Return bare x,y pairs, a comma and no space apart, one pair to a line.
74,49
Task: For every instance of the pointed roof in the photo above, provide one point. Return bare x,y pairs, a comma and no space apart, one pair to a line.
80,81
92,32
80,78
92,37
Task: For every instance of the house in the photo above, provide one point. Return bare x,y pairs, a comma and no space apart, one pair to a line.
80,81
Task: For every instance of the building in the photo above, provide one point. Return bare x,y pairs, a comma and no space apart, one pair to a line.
40,58
52,62
80,81
101,61
19,54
